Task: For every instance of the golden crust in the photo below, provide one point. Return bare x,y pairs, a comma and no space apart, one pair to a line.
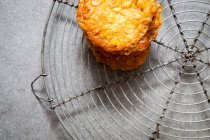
122,62
120,28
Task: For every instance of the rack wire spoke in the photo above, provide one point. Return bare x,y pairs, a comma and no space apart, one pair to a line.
200,60
206,49
157,130
202,84
118,82
177,24
67,3
162,44
200,32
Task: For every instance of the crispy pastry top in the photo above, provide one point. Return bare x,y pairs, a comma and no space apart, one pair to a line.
119,25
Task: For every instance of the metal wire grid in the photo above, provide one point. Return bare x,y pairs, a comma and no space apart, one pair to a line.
167,98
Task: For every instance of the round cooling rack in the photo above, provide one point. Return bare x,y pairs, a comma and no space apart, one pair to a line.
167,98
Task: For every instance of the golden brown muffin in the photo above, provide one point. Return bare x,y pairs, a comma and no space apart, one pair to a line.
120,31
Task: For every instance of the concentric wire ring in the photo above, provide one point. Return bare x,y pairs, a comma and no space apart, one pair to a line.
167,98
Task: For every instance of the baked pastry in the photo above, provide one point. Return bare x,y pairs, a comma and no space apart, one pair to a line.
119,31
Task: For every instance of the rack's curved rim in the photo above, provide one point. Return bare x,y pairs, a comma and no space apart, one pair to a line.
45,80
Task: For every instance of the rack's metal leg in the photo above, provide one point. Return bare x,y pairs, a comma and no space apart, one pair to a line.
32,89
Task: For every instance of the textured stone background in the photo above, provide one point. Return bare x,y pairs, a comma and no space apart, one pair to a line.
22,116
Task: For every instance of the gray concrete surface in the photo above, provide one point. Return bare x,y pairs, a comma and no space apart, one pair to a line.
22,116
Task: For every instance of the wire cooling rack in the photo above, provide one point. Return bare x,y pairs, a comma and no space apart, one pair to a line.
167,98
